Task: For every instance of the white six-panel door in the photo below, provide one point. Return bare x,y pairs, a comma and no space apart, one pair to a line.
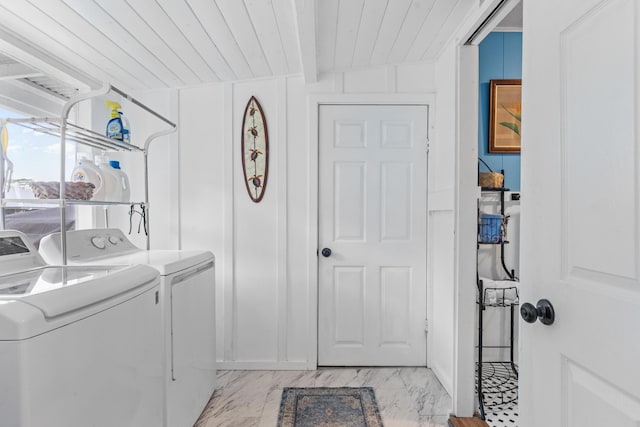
372,216
581,213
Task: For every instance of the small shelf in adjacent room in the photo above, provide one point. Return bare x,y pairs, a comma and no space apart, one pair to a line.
497,189
496,380
504,242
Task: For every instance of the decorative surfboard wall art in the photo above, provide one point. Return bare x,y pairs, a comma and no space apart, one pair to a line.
255,150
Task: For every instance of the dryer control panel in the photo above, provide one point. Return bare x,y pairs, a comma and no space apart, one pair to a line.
87,245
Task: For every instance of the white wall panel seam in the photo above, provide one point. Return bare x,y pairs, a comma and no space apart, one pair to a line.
392,79
229,286
283,232
174,107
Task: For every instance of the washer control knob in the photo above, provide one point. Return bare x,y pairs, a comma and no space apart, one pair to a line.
98,242
113,240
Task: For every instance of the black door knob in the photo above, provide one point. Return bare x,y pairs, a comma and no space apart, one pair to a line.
326,252
543,311
528,312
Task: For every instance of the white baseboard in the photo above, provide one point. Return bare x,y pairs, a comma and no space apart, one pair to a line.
445,380
262,366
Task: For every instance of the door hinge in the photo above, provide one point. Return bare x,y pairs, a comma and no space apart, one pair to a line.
426,145
426,325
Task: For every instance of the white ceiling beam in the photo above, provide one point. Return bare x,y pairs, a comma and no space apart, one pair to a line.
306,23
36,58
17,71
26,100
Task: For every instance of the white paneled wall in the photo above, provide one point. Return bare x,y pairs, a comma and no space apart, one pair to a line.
440,250
263,250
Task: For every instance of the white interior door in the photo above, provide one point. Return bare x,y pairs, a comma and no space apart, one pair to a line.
581,212
372,214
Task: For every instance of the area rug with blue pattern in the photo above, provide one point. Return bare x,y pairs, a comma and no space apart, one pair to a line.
329,407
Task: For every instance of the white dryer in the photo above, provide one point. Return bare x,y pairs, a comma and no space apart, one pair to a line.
78,345
187,294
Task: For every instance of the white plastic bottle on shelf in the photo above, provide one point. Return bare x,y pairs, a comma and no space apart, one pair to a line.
110,181
87,171
126,128
123,181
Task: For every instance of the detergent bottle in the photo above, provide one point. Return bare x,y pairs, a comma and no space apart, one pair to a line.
122,182
118,125
87,171
110,181
126,128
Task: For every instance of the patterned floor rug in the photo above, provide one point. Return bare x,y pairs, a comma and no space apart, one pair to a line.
329,407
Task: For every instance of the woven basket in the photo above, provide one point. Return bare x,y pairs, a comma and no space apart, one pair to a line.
73,190
491,179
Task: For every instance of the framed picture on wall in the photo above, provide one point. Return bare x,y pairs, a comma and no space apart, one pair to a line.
505,105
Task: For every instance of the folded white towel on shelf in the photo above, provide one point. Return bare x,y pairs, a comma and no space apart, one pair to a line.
500,291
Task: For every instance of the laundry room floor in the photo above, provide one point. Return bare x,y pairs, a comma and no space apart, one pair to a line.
406,397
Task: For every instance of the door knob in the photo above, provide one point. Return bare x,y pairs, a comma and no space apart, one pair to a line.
326,252
543,311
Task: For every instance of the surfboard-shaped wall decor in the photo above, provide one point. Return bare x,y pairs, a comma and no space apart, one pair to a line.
255,150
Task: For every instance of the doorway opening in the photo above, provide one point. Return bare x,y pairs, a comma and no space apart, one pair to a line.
494,54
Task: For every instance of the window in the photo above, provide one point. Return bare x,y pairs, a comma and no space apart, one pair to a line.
33,156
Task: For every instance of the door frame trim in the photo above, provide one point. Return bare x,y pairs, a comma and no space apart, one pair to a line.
314,103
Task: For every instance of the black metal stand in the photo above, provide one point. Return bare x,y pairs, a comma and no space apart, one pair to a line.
496,380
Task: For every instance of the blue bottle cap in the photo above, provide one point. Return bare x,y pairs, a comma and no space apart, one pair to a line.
114,164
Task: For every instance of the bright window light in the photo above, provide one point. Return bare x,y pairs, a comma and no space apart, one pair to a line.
34,155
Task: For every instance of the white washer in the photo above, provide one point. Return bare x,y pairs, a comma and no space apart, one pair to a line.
187,294
78,345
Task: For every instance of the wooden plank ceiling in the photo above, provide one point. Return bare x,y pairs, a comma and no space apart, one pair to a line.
145,44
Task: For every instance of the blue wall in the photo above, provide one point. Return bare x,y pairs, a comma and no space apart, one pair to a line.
500,58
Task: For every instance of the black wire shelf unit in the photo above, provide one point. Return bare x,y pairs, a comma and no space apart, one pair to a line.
496,381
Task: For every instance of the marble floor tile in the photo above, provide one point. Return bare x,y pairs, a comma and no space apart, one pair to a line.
430,396
407,397
396,407
434,421
224,377
271,408
330,377
431,401
244,395
293,379
237,422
